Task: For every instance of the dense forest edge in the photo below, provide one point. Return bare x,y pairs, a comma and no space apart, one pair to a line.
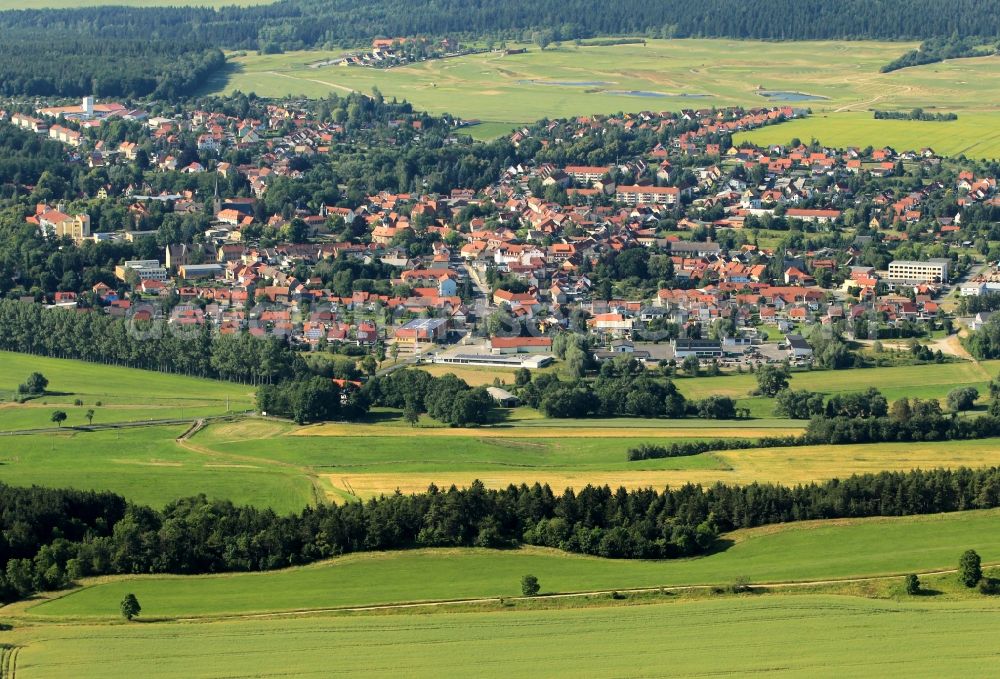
181,46
50,537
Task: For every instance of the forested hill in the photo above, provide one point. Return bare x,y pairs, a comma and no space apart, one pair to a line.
311,23
170,52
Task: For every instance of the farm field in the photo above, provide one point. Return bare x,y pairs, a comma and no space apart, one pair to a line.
793,465
275,464
805,551
915,381
835,77
147,466
125,394
369,459
476,377
359,459
787,635
974,134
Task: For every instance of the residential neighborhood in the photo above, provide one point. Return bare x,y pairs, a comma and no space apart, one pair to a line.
676,252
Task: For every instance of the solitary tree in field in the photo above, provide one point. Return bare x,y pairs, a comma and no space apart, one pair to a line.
962,399
970,569
771,379
529,585
912,584
59,417
89,415
410,412
34,385
130,606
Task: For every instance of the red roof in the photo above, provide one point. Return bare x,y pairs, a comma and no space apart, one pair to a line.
512,342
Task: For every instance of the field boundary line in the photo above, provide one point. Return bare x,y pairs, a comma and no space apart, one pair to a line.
437,603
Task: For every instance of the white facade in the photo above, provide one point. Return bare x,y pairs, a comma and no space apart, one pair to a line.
935,270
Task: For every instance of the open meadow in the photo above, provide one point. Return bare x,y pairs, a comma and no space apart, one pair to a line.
806,551
116,394
836,79
927,381
815,616
976,135
269,463
786,635
147,465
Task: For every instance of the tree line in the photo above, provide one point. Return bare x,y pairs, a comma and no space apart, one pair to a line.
311,399
100,338
937,49
448,399
985,342
51,537
99,52
915,114
312,23
84,64
856,418
629,394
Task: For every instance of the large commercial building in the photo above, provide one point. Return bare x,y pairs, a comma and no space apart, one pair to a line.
58,224
645,195
423,331
145,269
931,271
696,347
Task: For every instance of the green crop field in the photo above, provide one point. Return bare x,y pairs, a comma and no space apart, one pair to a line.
146,465
278,465
976,135
125,394
806,551
369,459
785,635
916,381
838,78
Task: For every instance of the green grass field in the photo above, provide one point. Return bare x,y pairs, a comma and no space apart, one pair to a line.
669,75
273,464
366,459
975,134
914,381
793,552
125,394
223,625
147,466
783,635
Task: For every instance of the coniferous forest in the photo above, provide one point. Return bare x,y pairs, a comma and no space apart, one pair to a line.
99,50
50,537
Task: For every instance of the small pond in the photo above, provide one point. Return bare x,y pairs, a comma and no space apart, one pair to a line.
646,93
789,96
565,83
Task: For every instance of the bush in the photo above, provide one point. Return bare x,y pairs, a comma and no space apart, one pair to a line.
962,398
34,385
970,568
741,585
989,586
530,586
912,584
